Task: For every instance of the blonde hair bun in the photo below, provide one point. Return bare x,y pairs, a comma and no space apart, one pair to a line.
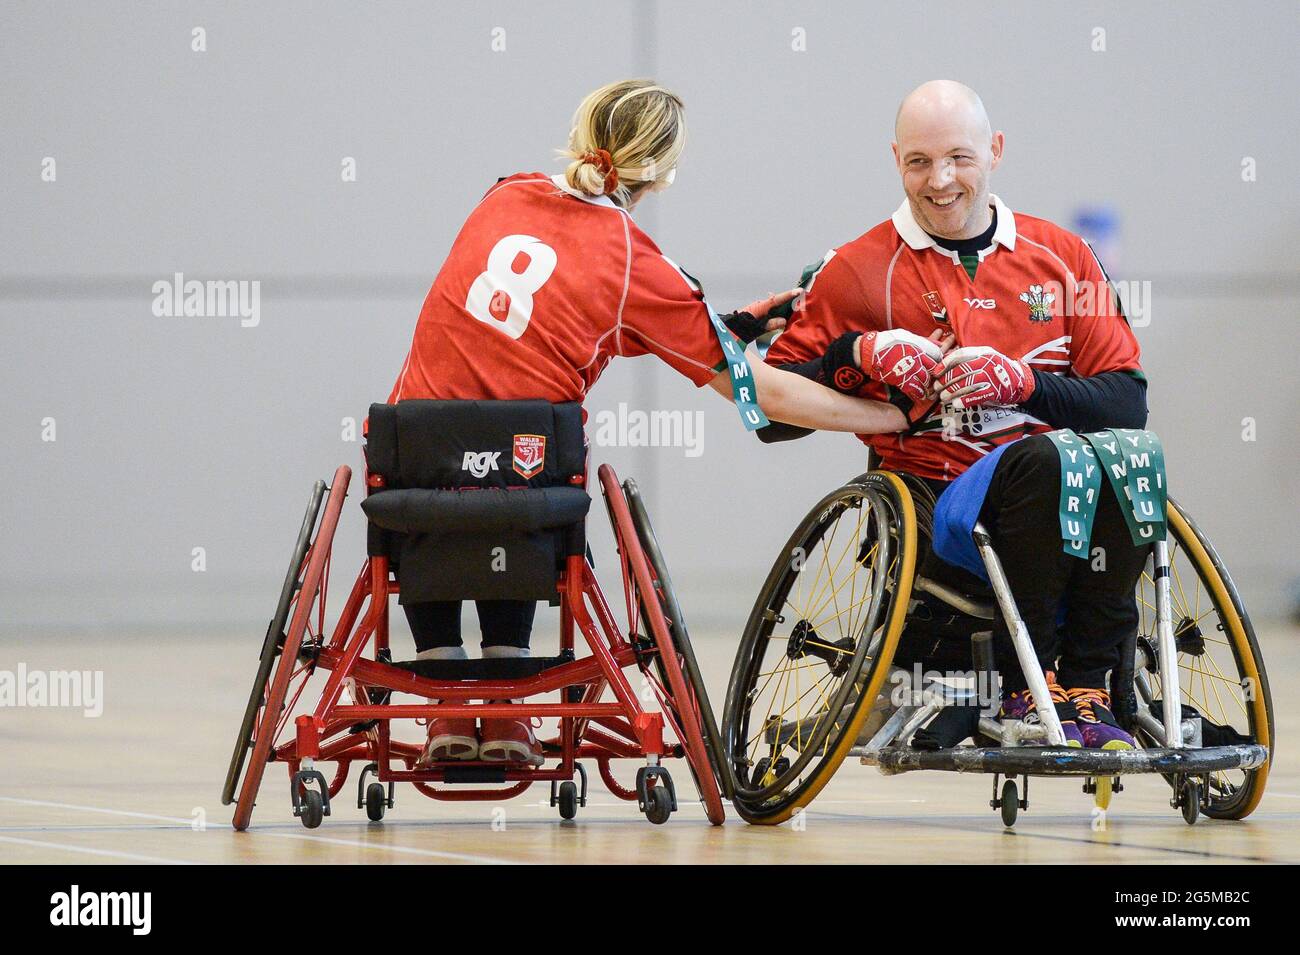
638,125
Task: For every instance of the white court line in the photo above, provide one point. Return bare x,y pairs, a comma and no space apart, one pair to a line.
189,824
133,857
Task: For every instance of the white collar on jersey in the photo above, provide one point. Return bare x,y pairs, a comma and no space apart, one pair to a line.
594,200
918,239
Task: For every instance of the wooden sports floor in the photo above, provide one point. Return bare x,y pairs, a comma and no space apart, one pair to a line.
141,783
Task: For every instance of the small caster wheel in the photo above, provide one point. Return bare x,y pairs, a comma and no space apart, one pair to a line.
376,802
567,799
313,809
1009,803
659,805
1189,798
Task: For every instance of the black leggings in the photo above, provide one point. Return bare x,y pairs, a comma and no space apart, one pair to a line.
1021,515
504,623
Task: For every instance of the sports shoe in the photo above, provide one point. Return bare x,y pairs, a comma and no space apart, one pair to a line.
1096,722
1021,706
453,738
510,740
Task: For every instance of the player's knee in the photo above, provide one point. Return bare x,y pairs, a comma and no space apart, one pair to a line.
1032,459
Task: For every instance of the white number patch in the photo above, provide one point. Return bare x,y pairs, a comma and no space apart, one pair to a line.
502,297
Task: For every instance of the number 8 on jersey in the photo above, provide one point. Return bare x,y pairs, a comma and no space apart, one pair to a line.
503,297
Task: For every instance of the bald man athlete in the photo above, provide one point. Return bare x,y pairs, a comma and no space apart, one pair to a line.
984,328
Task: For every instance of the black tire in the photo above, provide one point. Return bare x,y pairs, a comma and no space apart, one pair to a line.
567,799
376,802
886,541
1189,800
1232,645
681,639
1009,804
659,805
313,809
271,643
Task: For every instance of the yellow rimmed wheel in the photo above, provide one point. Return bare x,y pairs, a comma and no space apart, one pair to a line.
816,650
1220,670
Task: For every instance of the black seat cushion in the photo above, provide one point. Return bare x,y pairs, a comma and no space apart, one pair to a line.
443,511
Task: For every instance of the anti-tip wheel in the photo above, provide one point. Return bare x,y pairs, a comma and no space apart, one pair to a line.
313,809
1009,803
1103,788
567,799
1189,798
376,802
659,805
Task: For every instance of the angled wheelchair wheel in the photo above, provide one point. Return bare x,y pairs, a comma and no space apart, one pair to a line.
816,650
667,601
287,660
272,643
660,658
1220,669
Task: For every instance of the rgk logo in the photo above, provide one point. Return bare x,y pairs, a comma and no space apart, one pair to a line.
981,303
479,463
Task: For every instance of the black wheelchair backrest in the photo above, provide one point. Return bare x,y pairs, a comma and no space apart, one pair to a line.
479,499
447,444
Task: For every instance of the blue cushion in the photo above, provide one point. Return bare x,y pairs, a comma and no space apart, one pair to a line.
956,512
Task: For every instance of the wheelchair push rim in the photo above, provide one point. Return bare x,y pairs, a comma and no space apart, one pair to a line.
676,694
768,698
1221,670
268,699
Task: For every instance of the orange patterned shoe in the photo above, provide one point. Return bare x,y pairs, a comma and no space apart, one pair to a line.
1021,706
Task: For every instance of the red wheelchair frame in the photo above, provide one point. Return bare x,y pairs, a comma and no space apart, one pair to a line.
342,732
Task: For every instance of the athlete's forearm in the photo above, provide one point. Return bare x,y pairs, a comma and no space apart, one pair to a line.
794,400
1113,399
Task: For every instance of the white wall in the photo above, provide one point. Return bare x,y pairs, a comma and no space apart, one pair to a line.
179,433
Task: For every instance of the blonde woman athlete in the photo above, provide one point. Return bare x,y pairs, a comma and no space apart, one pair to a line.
549,280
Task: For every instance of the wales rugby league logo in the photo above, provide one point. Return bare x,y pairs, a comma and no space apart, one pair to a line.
529,454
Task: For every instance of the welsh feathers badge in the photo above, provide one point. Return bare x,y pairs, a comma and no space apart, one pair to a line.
529,454
1039,302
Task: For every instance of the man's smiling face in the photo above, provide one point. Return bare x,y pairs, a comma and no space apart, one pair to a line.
946,153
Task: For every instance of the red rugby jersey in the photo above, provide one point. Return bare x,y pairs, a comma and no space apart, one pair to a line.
542,287
1039,294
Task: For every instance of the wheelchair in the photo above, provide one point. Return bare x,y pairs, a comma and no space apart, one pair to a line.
442,525
809,685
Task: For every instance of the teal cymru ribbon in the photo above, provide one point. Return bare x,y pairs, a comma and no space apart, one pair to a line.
1080,487
743,391
1134,463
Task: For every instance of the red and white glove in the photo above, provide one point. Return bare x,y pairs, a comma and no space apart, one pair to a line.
902,360
979,375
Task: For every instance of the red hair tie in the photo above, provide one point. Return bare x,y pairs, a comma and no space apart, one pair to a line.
601,160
